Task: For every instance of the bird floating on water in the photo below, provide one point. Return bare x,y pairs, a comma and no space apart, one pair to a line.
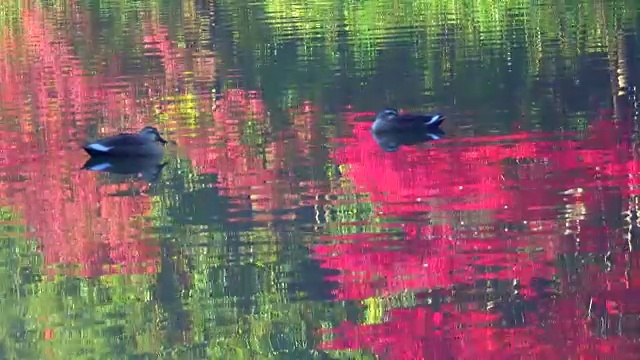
389,120
145,143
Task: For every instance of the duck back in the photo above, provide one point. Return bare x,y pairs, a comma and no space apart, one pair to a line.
407,122
123,145
413,120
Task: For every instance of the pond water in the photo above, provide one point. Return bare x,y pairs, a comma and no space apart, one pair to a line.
276,226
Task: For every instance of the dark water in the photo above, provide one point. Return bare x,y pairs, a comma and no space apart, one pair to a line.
276,226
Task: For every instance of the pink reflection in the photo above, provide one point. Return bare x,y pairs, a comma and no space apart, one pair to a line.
454,333
79,224
252,169
53,97
514,204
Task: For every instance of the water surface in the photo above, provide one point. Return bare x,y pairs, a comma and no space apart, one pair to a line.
276,226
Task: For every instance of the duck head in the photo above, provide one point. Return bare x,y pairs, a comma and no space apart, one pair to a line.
387,114
384,119
151,133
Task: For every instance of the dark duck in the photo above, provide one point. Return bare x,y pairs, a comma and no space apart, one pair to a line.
147,142
389,120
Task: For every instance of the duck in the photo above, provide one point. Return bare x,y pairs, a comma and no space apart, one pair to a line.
145,143
391,141
389,120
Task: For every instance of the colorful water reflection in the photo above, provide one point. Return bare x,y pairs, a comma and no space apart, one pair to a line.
504,246
279,228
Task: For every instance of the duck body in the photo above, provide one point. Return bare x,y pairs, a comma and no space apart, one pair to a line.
389,120
147,142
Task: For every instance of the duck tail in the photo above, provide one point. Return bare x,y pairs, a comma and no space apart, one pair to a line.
97,149
435,120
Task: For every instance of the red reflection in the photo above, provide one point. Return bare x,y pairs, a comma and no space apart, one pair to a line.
503,208
253,167
77,220
467,334
53,97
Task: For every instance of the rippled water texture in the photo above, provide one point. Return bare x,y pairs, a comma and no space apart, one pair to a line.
276,226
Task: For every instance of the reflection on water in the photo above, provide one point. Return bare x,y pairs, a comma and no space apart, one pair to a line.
147,168
391,141
501,244
278,226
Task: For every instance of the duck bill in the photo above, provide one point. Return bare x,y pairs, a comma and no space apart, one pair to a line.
162,141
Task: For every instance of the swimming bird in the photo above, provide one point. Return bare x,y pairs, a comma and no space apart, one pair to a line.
144,143
389,120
